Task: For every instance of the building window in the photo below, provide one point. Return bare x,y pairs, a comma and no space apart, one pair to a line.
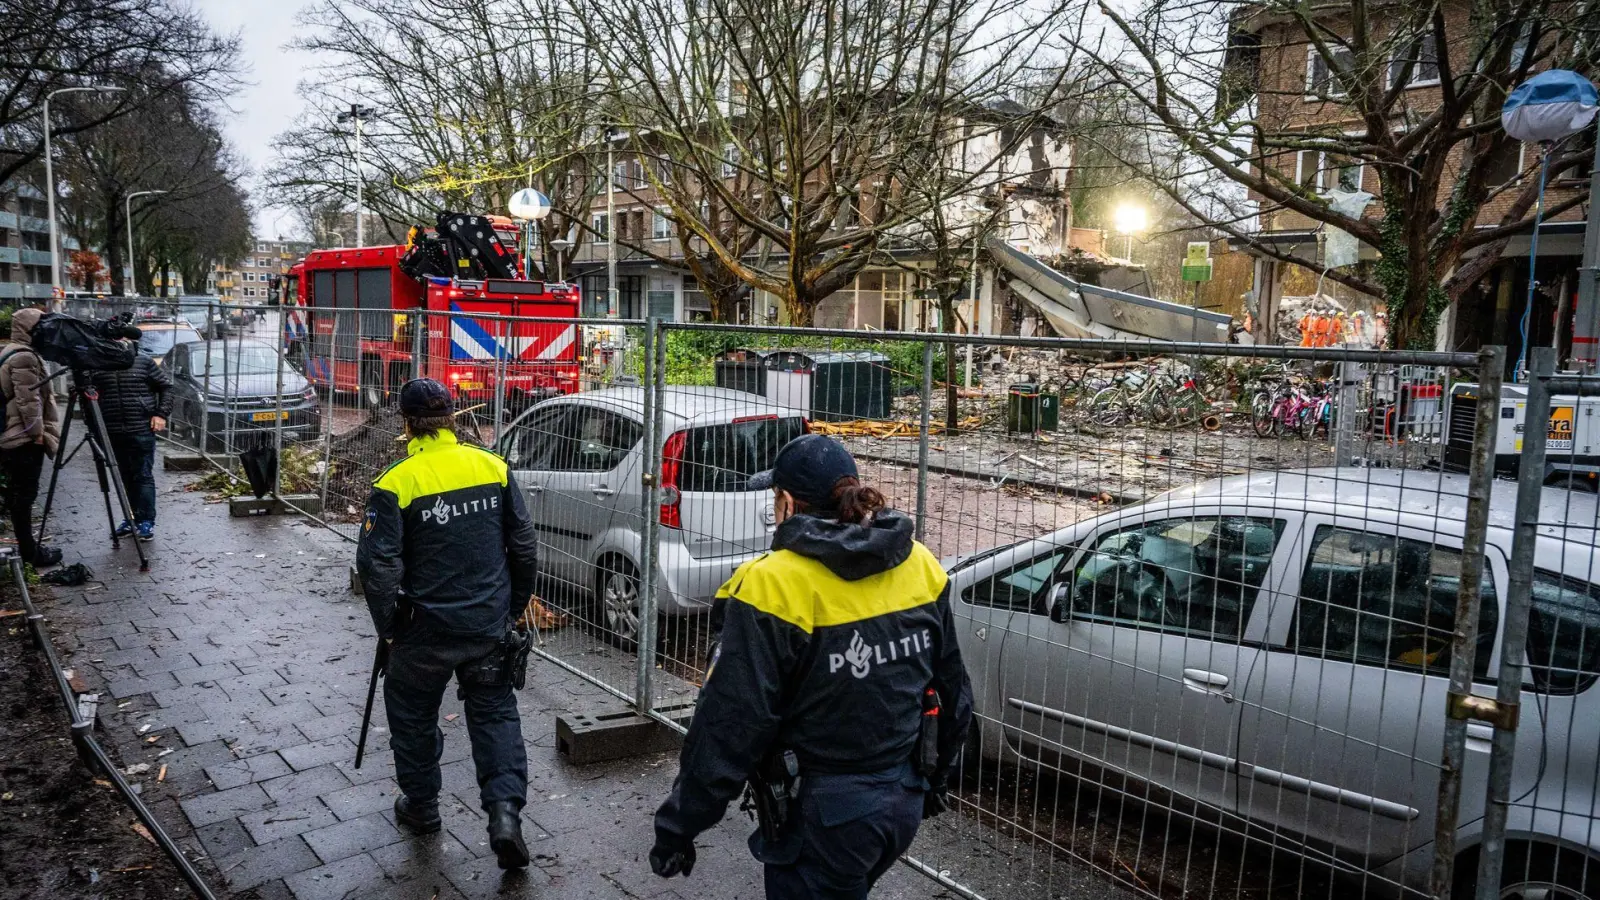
1320,83
600,225
664,171
1323,171
1424,59
660,228
261,248
1504,166
730,160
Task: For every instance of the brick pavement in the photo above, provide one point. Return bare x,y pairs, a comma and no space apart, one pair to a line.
239,662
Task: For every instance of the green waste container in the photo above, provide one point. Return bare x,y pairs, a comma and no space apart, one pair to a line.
1031,409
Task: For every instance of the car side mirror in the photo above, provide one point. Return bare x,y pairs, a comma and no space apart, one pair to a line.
1061,602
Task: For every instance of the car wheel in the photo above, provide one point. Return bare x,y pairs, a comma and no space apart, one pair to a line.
1535,872
614,613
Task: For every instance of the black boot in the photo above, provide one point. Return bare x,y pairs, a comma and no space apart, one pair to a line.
418,818
505,835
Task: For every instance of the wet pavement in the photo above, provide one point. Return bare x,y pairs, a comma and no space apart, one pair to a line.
235,669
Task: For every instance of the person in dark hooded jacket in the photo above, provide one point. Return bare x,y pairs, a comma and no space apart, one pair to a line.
135,403
829,647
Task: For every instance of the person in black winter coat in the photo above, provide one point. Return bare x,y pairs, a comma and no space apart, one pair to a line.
135,404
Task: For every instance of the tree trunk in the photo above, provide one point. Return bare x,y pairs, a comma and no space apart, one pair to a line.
802,311
947,325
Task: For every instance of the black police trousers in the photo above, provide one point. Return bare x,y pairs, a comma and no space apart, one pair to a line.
421,665
850,830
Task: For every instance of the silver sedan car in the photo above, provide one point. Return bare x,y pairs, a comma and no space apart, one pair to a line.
578,461
1272,650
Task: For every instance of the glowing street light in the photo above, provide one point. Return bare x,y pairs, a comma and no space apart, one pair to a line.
1130,219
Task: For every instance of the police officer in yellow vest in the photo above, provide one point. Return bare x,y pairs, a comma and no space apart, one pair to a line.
836,689
447,561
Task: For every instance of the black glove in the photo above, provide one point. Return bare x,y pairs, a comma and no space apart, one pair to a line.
935,801
672,857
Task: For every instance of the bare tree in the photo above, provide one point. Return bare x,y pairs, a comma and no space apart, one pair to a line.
168,144
152,48
1270,105
786,131
466,115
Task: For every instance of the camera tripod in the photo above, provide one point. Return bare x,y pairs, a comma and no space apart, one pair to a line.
94,435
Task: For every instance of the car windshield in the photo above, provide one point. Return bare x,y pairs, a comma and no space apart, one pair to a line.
721,458
251,359
194,315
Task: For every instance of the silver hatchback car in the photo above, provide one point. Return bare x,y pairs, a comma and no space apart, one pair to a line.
1272,649
578,460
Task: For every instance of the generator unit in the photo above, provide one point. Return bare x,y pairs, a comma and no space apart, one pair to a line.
1572,443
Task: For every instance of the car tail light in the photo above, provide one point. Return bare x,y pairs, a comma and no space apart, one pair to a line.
671,464
805,426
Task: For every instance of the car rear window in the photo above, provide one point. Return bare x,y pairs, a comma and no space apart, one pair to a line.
721,458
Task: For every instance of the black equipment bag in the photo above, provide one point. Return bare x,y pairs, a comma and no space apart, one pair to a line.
77,344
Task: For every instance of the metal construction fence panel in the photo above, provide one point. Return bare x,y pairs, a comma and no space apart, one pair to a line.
1233,615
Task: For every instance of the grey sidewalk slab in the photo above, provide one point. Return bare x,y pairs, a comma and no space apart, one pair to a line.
248,656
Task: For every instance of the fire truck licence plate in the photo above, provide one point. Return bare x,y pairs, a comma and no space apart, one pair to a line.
470,385
268,416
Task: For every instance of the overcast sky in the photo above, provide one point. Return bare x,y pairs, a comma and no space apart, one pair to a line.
269,104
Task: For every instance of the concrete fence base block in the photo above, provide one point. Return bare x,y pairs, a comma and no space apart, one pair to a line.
292,504
287,505
239,507
615,732
183,462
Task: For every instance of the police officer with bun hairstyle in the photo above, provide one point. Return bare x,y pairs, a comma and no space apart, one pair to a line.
447,561
836,691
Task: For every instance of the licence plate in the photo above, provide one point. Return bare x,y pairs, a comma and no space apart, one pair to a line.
470,385
268,416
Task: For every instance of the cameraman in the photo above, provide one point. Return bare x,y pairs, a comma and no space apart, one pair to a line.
135,403
32,432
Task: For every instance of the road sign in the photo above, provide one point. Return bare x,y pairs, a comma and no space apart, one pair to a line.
1201,272
1199,253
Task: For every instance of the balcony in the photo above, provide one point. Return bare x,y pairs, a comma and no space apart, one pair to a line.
10,290
8,220
35,257
37,291
10,255
33,223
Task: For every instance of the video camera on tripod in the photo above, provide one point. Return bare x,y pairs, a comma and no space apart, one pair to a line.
92,345
81,347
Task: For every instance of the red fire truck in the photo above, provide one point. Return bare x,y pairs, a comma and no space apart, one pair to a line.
351,317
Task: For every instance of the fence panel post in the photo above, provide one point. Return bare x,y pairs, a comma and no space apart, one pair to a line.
654,391
419,340
922,435
277,425
501,341
1480,479
1514,633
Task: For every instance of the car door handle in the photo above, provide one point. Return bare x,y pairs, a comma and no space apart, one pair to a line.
1480,737
1201,681
601,490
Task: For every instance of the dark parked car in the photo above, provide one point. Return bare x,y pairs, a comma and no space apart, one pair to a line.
228,391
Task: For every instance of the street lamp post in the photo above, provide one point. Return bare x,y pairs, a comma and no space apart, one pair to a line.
127,214
611,223
560,246
358,114
1129,219
530,206
50,180
335,234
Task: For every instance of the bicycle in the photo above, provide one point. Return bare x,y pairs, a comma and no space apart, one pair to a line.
1132,394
